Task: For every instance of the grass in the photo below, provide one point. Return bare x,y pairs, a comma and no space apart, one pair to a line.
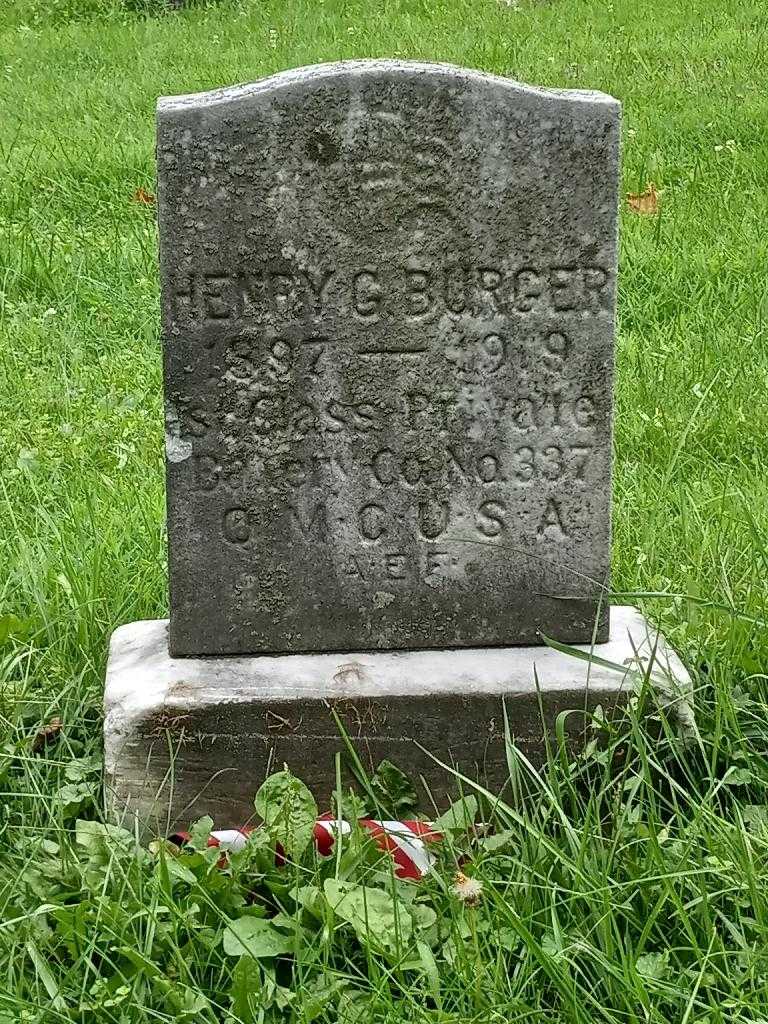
633,886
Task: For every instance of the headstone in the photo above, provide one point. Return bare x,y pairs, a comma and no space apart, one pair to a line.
388,318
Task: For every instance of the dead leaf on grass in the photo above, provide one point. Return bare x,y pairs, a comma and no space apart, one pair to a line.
645,203
142,196
46,735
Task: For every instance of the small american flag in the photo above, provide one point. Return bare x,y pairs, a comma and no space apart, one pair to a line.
406,841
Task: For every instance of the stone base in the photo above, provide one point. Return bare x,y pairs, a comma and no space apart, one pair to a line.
185,737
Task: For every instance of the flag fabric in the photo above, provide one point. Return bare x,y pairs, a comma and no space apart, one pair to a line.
407,842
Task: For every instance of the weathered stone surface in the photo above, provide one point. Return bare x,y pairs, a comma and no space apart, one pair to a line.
388,317
186,737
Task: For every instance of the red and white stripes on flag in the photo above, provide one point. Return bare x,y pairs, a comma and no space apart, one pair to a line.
406,841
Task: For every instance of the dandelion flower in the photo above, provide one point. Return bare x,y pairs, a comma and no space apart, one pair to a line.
468,890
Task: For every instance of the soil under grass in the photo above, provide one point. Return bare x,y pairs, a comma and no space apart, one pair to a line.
632,886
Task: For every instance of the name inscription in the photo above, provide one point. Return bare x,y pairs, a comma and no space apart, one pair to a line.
371,292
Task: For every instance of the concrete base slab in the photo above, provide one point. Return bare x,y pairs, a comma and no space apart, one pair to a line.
185,737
